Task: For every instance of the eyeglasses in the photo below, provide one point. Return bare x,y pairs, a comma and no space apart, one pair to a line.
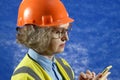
58,33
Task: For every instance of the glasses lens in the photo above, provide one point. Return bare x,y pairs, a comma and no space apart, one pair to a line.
58,33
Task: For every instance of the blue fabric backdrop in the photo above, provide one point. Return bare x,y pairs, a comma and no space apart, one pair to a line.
94,40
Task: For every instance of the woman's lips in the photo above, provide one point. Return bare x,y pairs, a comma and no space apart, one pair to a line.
62,45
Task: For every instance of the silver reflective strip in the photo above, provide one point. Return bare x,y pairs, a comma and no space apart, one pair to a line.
28,70
66,68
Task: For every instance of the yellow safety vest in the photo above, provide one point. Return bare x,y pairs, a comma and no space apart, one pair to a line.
28,69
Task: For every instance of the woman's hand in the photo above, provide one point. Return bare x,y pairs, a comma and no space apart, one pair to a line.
92,76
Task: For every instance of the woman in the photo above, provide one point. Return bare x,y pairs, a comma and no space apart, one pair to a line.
43,27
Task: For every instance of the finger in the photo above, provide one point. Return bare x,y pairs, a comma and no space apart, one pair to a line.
81,78
93,74
90,75
99,76
88,72
83,75
106,75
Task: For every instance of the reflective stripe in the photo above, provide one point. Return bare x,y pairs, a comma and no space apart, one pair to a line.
66,68
28,70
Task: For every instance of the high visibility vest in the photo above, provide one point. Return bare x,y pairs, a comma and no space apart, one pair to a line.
29,69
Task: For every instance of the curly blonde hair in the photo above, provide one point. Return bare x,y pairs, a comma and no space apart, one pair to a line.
37,38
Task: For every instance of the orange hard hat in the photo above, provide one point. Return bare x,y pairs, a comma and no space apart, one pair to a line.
42,13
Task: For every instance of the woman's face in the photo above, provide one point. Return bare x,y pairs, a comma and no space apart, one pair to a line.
59,38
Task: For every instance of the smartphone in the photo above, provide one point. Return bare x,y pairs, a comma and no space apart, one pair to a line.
106,70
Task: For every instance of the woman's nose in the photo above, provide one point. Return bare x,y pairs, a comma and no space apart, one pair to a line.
65,37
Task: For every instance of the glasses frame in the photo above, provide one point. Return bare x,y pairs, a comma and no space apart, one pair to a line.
60,32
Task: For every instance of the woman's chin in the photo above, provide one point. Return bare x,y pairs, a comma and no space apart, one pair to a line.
60,50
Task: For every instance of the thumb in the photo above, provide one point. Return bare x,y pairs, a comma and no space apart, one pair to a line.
107,75
101,77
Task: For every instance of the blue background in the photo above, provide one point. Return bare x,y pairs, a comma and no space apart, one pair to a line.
94,40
